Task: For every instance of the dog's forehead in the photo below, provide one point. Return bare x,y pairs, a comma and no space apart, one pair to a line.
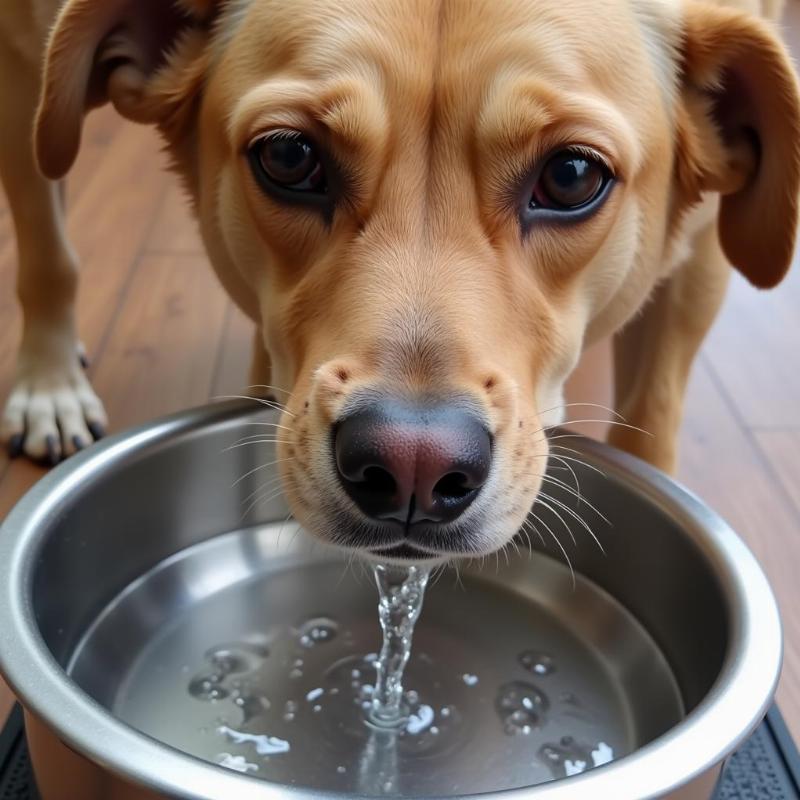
459,44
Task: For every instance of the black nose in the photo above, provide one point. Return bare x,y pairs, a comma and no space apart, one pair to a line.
413,462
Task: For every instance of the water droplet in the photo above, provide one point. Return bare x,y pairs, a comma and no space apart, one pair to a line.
521,707
317,630
538,663
295,674
341,770
315,694
470,680
317,709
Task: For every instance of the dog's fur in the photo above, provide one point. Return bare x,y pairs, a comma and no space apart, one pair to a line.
421,282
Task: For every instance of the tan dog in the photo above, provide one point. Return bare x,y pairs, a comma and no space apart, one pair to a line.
428,207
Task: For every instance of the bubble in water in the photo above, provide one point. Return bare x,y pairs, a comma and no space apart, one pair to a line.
470,680
341,770
295,674
315,694
538,663
227,662
521,707
289,710
317,630
237,763
207,687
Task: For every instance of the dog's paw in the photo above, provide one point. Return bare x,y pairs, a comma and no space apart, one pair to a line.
52,411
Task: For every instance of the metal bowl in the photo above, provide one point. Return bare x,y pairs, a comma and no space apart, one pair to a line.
141,570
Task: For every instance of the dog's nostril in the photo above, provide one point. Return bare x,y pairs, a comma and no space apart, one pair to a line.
378,480
454,486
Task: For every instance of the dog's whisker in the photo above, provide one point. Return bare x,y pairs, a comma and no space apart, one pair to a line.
578,518
543,498
572,471
600,421
528,525
254,440
260,467
270,482
267,386
591,405
578,461
264,402
558,542
581,498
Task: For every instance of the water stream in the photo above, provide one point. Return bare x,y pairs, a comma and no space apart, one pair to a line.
401,591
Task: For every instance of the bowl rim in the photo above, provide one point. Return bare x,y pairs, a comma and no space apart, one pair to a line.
737,701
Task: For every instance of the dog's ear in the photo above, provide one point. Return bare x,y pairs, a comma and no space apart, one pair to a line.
738,133
147,57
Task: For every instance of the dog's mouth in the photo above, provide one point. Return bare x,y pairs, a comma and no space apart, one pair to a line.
405,552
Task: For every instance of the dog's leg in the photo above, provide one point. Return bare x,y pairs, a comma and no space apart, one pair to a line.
52,410
653,355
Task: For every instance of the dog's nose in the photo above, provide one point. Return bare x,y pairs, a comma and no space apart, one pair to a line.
413,462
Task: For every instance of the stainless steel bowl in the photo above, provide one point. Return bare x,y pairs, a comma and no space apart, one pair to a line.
127,563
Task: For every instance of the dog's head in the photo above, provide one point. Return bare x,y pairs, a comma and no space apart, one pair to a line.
432,204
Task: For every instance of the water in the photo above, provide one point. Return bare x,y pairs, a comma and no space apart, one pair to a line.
401,591
465,711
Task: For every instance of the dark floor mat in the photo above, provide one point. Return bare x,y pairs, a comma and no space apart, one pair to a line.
766,767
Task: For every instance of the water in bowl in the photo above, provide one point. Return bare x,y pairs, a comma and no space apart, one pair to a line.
285,677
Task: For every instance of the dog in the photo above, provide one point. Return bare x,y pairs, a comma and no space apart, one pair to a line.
428,208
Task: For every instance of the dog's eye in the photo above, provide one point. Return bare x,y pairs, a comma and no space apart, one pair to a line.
288,161
570,180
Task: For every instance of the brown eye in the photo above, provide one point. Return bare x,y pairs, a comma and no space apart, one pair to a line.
288,161
569,180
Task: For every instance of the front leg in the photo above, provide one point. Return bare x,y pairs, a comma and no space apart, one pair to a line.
653,354
52,409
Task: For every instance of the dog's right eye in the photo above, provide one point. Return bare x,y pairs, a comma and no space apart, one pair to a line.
287,161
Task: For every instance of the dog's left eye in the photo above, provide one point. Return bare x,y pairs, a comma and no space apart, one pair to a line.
569,181
288,161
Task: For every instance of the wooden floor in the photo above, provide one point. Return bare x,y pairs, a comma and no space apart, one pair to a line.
162,336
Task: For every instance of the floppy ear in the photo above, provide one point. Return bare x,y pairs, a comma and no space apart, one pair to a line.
738,130
147,57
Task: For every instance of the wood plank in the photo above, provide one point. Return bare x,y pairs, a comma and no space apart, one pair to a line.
176,229
163,348
754,346
782,449
723,465
233,364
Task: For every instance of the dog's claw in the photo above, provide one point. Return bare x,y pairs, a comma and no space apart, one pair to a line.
78,443
96,429
15,445
83,359
53,456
